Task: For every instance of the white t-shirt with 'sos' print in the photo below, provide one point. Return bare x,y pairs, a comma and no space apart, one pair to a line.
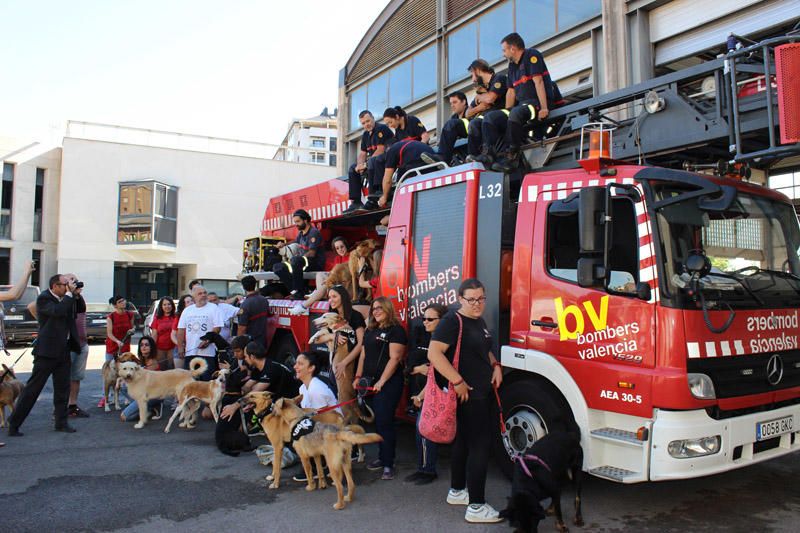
197,321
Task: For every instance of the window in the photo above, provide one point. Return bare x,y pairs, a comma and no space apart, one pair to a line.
332,160
6,198
536,20
332,144
36,257
148,213
492,27
400,84
358,103
462,48
571,12
424,72
317,142
38,201
563,243
378,96
318,158
788,184
5,264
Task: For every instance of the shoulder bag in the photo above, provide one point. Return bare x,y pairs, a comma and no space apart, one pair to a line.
437,420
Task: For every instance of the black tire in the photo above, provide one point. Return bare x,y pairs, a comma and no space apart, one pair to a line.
531,409
283,348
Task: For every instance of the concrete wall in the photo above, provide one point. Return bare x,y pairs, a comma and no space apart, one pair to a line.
221,201
27,156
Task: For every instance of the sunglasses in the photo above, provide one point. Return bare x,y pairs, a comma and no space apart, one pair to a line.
426,319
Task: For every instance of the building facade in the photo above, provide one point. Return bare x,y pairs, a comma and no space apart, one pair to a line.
313,140
417,51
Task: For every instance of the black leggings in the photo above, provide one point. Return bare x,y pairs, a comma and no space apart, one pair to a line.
472,447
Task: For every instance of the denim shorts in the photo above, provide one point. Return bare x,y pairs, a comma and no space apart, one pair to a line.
78,369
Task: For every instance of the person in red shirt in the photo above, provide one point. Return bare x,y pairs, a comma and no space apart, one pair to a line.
161,327
342,256
119,328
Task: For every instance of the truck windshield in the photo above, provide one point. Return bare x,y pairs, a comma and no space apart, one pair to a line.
753,247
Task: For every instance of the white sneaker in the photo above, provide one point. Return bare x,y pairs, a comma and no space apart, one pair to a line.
458,497
482,514
298,309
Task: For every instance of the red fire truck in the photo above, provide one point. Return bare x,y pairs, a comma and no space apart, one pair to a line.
652,298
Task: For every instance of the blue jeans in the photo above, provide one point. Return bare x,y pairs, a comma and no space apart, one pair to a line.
385,404
426,452
131,412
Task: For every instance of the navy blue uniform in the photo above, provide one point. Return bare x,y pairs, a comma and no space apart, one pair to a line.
509,124
380,135
405,155
413,130
291,273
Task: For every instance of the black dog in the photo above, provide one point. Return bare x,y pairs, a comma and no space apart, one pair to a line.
542,472
224,354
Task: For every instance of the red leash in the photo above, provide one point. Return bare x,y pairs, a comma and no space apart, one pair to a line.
369,390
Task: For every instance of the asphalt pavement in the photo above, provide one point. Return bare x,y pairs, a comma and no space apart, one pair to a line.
111,477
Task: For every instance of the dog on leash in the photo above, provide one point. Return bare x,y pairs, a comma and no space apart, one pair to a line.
278,431
314,440
542,472
363,250
10,389
196,392
146,384
332,328
110,376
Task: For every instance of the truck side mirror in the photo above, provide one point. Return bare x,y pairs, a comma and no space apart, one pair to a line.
591,229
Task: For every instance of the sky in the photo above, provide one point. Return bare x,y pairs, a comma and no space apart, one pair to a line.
241,69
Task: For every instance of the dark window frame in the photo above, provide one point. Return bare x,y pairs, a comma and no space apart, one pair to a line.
162,214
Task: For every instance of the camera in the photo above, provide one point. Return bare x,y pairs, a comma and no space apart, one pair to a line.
78,284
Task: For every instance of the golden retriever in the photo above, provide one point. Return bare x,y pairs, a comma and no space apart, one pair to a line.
365,250
146,384
110,375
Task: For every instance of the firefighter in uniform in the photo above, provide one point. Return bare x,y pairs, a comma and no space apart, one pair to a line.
312,259
530,96
375,139
402,156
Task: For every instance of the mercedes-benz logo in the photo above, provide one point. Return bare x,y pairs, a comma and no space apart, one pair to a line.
775,369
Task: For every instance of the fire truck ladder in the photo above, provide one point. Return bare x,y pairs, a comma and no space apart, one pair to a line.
721,110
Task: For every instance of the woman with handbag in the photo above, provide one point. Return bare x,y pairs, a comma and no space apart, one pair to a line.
418,369
463,336
380,367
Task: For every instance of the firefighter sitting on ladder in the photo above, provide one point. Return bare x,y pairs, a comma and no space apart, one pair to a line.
530,97
312,259
402,156
374,140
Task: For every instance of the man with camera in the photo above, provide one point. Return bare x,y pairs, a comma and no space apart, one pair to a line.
58,336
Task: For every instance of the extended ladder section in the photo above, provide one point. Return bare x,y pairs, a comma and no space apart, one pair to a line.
743,107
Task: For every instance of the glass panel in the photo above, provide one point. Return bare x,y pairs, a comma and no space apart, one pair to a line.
5,226
536,20
165,231
400,84
332,160
39,176
332,144
571,12
172,203
5,258
378,95
358,103
424,72
461,50
8,172
161,200
494,25
135,199
36,257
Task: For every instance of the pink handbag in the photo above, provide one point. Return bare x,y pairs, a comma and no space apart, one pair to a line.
437,421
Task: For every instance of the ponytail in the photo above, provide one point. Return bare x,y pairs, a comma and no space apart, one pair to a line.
395,112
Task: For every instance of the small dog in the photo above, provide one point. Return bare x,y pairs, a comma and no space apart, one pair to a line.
196,392
365,250
10,389
146,384
110,376
542,472
290,250
278,431
332,328
312,439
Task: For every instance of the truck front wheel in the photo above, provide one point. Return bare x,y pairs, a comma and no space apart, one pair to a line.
530,412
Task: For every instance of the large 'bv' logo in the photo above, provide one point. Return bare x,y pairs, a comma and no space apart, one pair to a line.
775,369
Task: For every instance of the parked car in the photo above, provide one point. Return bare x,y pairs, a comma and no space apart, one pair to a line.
19,324
96,320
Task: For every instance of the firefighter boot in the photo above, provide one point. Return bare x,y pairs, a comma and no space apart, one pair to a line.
509,162
484,157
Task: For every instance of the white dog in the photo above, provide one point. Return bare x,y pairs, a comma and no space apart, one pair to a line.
290,250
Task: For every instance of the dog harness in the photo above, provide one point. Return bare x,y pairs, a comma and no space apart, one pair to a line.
302,428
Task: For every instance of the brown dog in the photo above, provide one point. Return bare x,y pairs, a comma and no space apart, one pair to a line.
10,389
332,327
363,249
313,440
196,391
340,275
278,431
110,375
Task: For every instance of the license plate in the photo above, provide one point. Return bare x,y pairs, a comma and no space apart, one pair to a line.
773,428
14,317
101,321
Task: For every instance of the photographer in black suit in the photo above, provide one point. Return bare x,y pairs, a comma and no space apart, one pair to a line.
58,335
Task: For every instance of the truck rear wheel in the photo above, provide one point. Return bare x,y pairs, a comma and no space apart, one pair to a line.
283,349
530,412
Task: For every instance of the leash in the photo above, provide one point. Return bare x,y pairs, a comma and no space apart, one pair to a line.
368,391
516,457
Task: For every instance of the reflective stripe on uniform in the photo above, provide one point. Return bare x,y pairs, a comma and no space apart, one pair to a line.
466,123
533,111
506,111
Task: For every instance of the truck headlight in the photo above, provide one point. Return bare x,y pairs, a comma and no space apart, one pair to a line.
688,448
701,387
